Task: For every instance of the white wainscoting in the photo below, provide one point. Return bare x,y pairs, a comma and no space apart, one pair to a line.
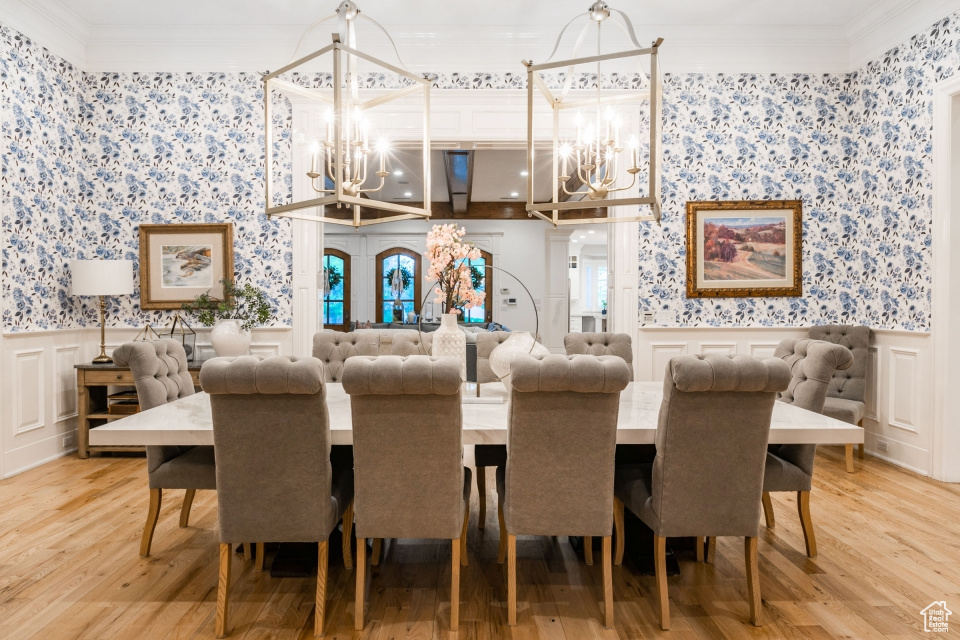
899,395
38,387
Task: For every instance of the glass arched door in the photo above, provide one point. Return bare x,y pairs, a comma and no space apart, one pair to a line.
335,296
397,284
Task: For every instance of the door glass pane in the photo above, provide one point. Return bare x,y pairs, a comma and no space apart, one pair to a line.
334,313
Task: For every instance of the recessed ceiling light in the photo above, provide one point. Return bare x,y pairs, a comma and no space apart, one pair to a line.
407,194
514,194
398,172
591,231
583,236
524,173
574,240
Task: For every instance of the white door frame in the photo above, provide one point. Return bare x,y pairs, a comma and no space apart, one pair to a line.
945,446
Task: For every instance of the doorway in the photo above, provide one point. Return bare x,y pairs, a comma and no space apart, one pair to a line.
589,279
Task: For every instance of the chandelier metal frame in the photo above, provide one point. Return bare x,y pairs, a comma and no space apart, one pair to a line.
345,86
551,211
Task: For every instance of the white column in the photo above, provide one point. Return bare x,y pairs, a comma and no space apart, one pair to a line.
307,236
623,249
555,313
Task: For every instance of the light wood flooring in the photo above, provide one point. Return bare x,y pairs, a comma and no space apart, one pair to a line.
889,544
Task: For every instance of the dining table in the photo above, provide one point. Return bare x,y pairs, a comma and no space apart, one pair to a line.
188,421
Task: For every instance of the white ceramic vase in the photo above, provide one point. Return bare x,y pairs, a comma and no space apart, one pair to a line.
519,343
229,338
449,340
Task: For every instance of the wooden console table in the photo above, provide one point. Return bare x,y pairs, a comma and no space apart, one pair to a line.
92,383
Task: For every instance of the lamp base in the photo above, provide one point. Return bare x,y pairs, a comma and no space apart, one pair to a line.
102,360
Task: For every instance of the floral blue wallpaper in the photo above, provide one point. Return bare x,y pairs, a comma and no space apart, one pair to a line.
88,157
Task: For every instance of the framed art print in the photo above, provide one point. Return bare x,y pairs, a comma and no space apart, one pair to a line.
748,248
180,261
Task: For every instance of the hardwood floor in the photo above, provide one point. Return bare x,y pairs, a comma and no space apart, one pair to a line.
889,544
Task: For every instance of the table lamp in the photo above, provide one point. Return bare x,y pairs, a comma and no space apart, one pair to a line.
102,278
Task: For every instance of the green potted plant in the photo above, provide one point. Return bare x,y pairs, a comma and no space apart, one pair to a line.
232,317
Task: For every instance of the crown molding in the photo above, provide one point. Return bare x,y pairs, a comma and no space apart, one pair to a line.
51,25
890,23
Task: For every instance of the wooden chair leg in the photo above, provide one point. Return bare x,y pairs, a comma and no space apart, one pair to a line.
511,580
248,551
455,584
260,556
753,580
375,554
768,511
660,568
701,543
347,533
185,508
860,445
848,453
361,584
618,531
711,549
588,550
153,512
463,535
502,551
321,606
803,506
481,496
223,588
605,562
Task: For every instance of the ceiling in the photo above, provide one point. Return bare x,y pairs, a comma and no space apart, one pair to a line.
442,35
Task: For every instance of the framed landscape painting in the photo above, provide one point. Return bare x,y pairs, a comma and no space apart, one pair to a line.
180,261
748,248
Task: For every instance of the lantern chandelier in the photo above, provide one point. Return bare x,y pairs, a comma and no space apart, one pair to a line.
593,156
345,169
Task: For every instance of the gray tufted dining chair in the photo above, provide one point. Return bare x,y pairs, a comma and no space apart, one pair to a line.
275,480
408,457
600,344
789,467
703,492
159,369
333,348
561,441
847,391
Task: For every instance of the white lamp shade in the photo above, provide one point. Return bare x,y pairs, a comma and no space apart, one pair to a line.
102,277
519,343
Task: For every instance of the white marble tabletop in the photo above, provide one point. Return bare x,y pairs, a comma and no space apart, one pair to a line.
188,421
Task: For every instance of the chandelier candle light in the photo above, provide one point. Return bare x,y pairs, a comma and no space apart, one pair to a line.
592,160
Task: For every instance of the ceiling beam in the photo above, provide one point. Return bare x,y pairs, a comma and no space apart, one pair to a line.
478,211
458,168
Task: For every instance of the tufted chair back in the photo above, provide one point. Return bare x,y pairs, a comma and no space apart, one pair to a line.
726,401
486,342
561,440
407,446
812,365
851,383
600,344
159,369
270,415
333,348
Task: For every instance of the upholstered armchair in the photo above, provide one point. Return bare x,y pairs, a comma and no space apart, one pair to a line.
159,369
561,441
408,457
600,344
333,348
275,482
847,390
789,467
692,490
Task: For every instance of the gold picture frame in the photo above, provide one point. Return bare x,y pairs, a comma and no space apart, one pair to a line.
180,261
744,248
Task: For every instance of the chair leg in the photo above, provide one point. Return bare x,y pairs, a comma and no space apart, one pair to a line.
347,532
753,580
375,554
153,512
803,506
185,508
261,556
247,551
361,584
223,588
660,566
860,445
463,536
848,453
711,549
511,580
618,530
481,496
768,511
321,606
700,548
455,584
588,550
502,551
605,562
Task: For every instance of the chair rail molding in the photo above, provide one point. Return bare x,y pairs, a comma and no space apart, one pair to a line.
945,445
